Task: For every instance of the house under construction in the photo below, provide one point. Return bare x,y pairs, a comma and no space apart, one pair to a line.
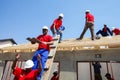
72,58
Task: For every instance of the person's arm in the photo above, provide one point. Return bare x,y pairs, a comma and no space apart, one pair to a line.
15,61
32,40
54,29
47,43
110,31
39,63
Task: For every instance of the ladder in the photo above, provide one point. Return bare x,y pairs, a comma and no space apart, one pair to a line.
7,72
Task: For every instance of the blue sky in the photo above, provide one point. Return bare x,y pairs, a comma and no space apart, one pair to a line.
24,18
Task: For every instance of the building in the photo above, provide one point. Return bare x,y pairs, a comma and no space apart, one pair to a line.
7,42
73,57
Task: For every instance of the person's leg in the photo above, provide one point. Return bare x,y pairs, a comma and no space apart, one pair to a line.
91,26
34,59
44,57
84,30
104,34
59,33
95,76
99,77
52,30
99,32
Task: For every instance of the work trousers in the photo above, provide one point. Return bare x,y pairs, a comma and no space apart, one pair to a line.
102,33
58,32
91,27
98,76
44,56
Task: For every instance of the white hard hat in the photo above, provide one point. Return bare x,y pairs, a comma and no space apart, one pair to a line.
113,28
61,15
87,11
29,64
45,27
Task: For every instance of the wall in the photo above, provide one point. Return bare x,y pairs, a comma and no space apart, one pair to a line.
68,60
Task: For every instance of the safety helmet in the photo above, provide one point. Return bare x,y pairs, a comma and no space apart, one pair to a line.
61,15
45,27
29,64
87,11
113,28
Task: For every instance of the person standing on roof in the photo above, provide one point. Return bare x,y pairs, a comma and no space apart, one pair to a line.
104,32
89,23
55,27
27,73
116,31
44,42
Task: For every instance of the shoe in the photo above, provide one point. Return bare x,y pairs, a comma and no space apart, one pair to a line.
78,39
97,37
59,42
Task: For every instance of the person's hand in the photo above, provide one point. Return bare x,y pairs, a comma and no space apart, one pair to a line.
17,56
60,31
54,32
38,57
33,40
44,42
28,38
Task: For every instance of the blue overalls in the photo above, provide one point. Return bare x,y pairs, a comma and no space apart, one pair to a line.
44,56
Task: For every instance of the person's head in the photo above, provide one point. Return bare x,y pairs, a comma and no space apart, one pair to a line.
108,76
45,30
87,11
61,15
96,62
28,65
55,73
105,25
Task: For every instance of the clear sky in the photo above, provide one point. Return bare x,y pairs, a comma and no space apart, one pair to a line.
24,18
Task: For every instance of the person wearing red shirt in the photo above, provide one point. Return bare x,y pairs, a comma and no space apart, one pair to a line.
55,76
44,42
89,23
56,25
116,31
27,73
108,76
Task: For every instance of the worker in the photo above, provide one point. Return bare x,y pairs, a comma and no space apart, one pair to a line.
44,40
108,76
27,73
55,76
57,27
116,31
105,31
89,23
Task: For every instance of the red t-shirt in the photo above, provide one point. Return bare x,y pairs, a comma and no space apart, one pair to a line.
44,38
20,74
89,17
55,78
116,31
57,23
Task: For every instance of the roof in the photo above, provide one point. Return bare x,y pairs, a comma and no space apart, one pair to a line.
10,39
72,44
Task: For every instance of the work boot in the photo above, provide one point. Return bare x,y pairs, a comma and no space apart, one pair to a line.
97,37
78,39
